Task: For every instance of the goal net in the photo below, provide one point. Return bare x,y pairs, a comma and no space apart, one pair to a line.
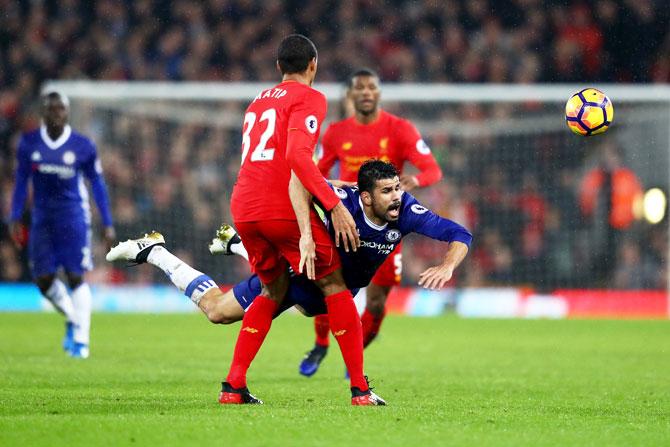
548,209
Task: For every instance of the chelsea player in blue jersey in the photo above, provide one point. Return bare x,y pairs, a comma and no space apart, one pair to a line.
55,160
383,213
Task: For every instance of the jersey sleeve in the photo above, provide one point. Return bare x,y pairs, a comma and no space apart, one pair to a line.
92,169
415,218
21,180
417,152
304,123
328,153
348,196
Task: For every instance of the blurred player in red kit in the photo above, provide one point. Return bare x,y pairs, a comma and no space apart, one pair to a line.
281,128
370,133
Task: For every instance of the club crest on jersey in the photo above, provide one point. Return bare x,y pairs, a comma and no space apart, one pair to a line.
36,156
422,147
418,209
68,157
392,235
341,193
311,124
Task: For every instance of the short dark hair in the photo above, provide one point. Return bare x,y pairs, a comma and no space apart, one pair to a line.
54,95
373,170
361,72
294,53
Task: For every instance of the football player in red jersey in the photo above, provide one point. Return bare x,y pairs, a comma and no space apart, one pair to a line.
281,128
371,133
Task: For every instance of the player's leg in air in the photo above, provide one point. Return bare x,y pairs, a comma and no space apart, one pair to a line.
219,307
387,276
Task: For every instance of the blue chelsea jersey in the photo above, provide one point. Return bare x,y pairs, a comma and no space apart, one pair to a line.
57,170
378,241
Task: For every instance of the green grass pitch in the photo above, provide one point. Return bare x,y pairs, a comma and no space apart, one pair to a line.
154,380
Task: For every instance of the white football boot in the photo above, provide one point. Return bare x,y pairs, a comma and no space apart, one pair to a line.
225,237
135,250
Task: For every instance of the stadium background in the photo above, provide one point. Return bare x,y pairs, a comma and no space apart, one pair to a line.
524,193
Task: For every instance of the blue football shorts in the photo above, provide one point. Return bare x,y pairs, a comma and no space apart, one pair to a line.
55,243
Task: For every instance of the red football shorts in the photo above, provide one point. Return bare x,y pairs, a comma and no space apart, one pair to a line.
390,272
273,246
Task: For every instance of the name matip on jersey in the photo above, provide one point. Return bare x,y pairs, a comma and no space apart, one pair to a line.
390,138
57,169
261,190
378,241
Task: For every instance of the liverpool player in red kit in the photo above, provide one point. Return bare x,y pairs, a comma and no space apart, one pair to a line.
371,133
281,128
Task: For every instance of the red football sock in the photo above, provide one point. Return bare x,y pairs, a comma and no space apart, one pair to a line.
322,329
255,326
371,324
346,327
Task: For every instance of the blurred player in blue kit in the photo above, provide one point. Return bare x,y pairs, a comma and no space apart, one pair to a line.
55,159
383,213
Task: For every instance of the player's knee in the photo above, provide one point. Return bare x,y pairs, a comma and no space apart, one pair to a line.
215,317
44,283
218,316
222,309
333,283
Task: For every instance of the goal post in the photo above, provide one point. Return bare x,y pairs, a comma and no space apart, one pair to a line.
540,200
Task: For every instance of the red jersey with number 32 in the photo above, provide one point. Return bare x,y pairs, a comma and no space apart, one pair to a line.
261,190
389,138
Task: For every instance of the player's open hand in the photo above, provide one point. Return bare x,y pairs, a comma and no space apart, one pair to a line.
307,256
345,228
436,277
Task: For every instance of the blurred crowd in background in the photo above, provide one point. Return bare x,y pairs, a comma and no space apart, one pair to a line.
519,194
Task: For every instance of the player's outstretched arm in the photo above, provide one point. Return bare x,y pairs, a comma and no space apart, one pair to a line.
419,219
301,200
435,278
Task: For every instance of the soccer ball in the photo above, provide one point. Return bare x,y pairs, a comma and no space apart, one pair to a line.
589,112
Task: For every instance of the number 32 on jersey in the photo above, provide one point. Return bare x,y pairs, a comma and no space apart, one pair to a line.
260,153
